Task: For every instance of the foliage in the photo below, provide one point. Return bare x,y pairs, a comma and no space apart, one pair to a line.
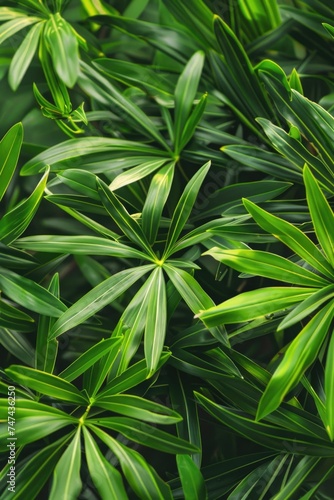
166,249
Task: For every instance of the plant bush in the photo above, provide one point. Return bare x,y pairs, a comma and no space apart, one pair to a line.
166,249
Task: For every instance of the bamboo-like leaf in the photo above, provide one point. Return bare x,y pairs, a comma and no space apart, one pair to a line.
15,222
17,345
63,46
185,92
97,298
301,353
184,207
329,388
269,265
193,295
23,56
291,236
254,304
76,148
294,150
192,122
298,478
123,219
36,471
155,201
66,481
135,174
46,383
268,162
322,215
11,317
156,321
108,481
102,90
10,147
141,476
146,434
7,13
189,428
88,358
31,429
80,245
29,294
239,71
153,82
269,436
307,307
15,25
193,484
137,407
130,377
46,351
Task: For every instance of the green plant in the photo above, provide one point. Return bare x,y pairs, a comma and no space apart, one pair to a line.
152,151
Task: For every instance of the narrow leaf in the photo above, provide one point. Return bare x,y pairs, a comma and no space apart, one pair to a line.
97,298
10,147
66,480
301,353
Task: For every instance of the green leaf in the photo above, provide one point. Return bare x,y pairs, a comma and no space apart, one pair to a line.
97,298
31,429
66,480
268,265
46,351
137,407
17,345
307,307
132,74
193,484
130,377
155,201
32,476
135,174
146,434
29,294
239,72
46,383
156,321
88,358
322,215
296,152
184,207
93,83
182,398
10,147
268,162
269,436
185,93
298,478
63,46
23,56
254,304
107,480
141,476
301,353
15,25
291,236
123,219
11,317
76,148
79,245
15,222
192,122
329,389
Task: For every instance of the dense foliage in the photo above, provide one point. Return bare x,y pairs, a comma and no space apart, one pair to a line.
167,249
